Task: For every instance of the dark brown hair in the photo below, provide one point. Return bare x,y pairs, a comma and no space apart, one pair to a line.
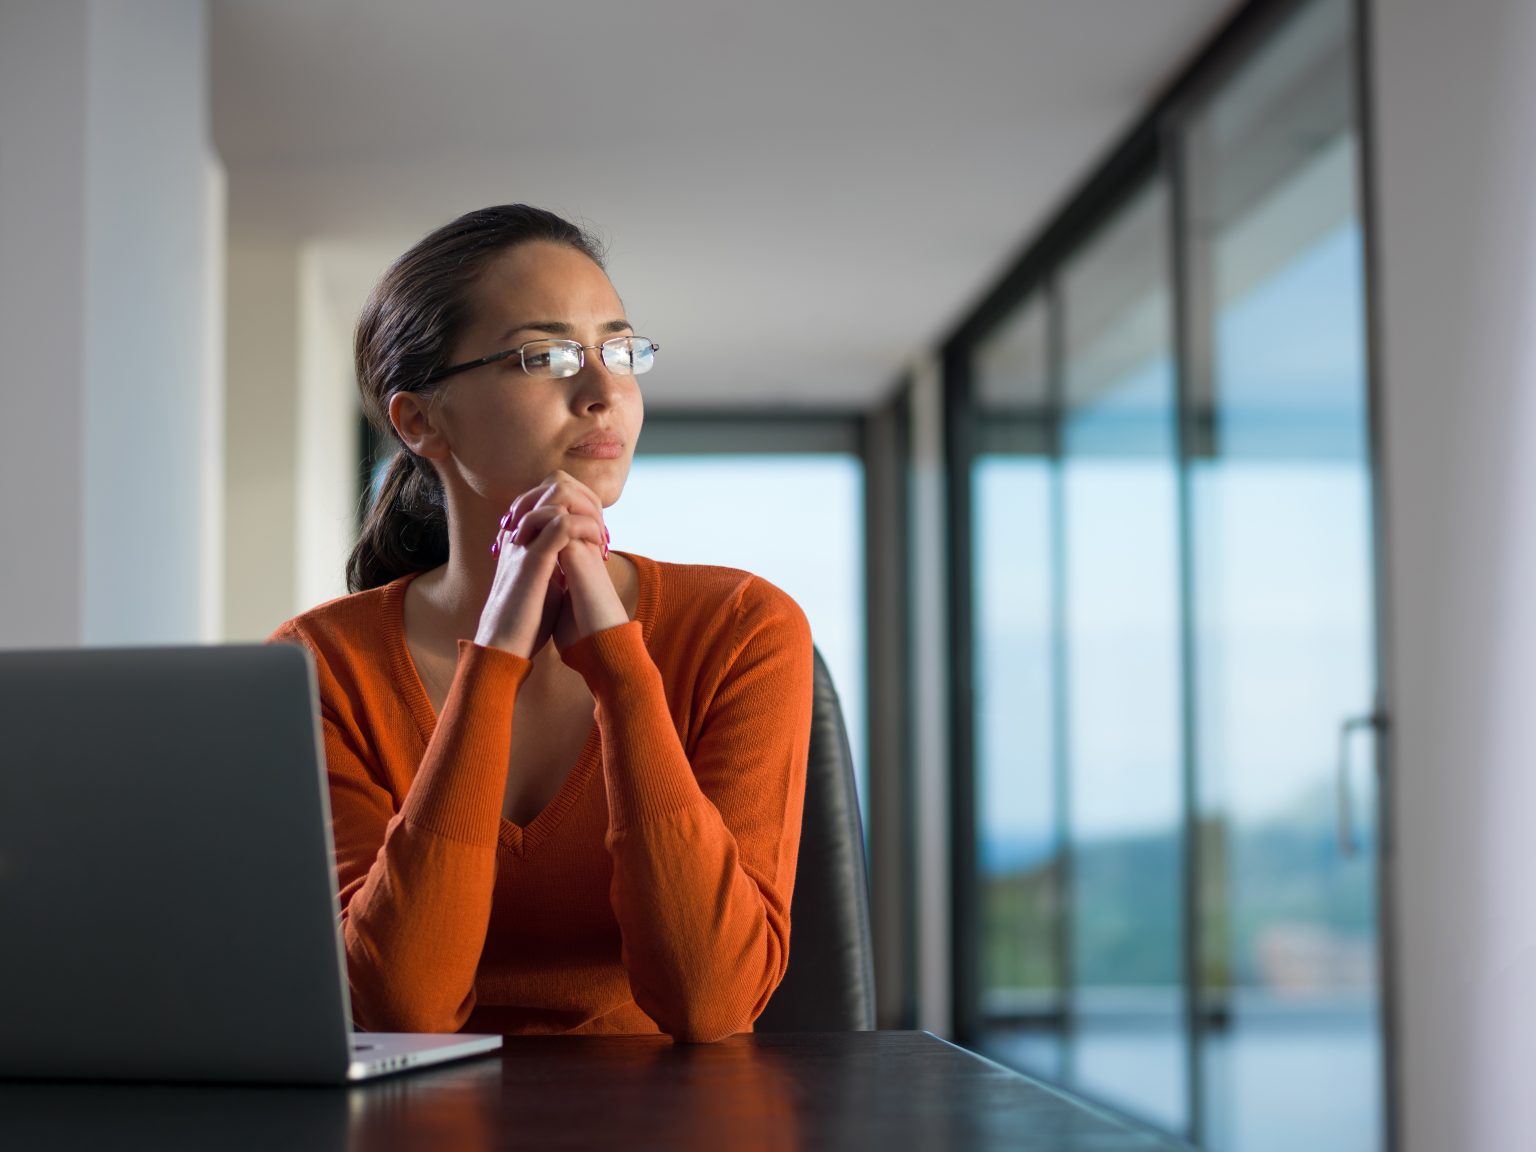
406,332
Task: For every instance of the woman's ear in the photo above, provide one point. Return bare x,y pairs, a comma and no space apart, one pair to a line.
412,416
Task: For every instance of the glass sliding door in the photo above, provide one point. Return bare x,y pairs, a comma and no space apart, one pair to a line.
1280,522
1118,503
1018,843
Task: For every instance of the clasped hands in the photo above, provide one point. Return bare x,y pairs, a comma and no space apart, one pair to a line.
551,573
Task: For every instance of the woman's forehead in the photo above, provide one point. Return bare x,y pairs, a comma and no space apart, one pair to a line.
540,281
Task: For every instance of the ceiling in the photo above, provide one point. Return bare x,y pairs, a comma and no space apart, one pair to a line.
797,197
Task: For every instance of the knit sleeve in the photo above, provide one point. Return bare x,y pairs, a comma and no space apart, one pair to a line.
416,879
704,842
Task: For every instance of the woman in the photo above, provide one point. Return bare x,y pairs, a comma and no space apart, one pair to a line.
506,864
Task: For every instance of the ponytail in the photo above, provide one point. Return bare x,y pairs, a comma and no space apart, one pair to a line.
406,529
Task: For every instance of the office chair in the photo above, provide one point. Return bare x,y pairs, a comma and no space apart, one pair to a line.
830,983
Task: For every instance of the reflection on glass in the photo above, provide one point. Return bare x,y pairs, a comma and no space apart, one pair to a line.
1281,529
754,512
1129,1041
1018,847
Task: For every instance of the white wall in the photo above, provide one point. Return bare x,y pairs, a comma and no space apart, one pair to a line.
42,375
292,444
1454,94
261,403
328,448
106,223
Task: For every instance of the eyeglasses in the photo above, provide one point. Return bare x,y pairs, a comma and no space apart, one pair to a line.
557,359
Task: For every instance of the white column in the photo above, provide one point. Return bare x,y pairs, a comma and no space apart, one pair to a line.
107,215
1454,108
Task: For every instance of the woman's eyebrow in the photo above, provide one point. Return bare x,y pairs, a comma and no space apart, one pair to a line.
561,328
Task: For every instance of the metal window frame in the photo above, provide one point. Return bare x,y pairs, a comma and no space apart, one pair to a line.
749,431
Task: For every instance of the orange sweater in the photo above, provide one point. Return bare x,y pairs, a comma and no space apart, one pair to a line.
652,893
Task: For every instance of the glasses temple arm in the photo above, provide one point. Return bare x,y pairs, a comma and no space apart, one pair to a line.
467,365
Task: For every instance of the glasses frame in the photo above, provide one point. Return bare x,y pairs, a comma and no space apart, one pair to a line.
581,358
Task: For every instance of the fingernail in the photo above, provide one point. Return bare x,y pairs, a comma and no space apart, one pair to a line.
496,547
504,520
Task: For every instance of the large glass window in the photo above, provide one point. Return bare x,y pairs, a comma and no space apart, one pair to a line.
1077,701
794,518
1172,634
1018,843
1281,525
1120,562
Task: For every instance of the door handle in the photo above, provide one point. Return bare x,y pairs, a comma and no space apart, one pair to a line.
1376,722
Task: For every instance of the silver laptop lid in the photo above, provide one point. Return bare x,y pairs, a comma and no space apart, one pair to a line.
167,890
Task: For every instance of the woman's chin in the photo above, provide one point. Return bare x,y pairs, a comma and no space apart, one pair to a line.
605,477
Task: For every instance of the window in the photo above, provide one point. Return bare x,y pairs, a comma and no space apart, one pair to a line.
1171,641
1280,521
1121,674
750,501
1018,854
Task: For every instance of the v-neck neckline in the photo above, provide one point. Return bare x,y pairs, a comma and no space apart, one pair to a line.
517,838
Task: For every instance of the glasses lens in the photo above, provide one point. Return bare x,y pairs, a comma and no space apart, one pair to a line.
552,358
630,355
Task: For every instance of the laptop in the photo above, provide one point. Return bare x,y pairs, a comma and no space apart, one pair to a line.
168,896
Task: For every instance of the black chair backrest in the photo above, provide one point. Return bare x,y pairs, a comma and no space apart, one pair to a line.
830,983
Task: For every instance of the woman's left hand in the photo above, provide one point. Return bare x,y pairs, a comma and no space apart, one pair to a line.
591,603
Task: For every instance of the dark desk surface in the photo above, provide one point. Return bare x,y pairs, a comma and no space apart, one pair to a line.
885,1090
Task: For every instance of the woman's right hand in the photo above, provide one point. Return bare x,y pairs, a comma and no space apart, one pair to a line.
526,593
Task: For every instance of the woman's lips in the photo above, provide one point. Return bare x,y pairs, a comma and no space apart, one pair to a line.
603,448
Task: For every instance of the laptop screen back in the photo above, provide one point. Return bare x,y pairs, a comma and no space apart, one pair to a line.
167,893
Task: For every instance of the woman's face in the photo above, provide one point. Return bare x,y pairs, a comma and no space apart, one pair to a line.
506,430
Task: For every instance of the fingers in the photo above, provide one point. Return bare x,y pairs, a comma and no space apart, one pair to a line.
558,488
551,528
531,579
558,491
550,545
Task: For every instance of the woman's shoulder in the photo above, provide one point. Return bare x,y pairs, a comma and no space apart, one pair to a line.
359,622
714,595
709,583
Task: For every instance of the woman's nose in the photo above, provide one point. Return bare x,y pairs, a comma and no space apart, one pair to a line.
598,386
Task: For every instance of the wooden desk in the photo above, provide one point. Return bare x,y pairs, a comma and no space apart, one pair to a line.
877,1090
